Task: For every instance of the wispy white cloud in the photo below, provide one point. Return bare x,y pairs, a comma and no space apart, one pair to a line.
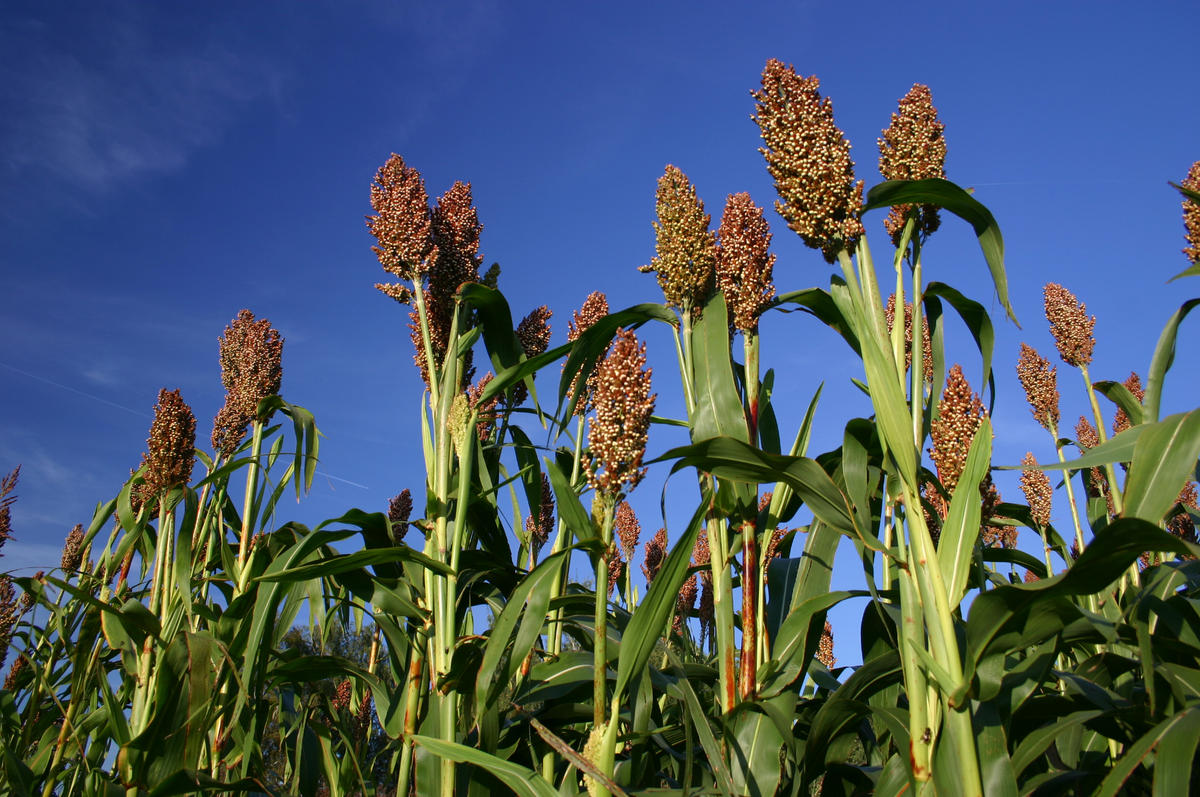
130,107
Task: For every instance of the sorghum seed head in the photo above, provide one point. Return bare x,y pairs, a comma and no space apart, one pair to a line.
399,511
772,551
701,554
706,611
455,228
1031,577
595,307
534,334
623,406
629,530
913,147
616,568
9,614
743,263
1097,484
251,356
486,409
685,604
1073,331
341,697
809,158
1121,419
954,429
825,647
889,314
171,445
1191,215
1040,381
655,553
13,679
72,552
1036,486
402,226
539,527
685,247
1181,524
7,485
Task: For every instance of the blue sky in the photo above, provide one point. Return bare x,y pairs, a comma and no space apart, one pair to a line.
164,165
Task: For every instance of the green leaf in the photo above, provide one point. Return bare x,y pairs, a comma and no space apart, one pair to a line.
960,532
1164,357
975,316
1192,271
946,194
1118,394
1175,754
821,304
1119,448
718,410
521,780
1163,460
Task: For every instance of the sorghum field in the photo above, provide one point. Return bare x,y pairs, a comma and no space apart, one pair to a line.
193,641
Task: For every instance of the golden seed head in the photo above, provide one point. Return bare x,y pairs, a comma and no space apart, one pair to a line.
534,334
743,263
959,415
1191,215
623,406
825,647
889,314
172,444
1134,385
1073,331
685,247
809,158
457,420
399,511
1040,381
629,530
654,555
1038,493
402,224
72,552
251,356
595,307
913,147
539,527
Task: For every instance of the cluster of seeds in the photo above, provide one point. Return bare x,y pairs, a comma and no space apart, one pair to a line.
618,430
744,264
1040,381
251,355
913,147
1073,331
685,248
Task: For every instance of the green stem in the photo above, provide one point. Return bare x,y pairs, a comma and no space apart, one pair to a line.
248,504
600,636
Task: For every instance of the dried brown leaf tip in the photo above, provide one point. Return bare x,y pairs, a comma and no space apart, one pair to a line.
534,334
744,264
402,226
251,356
913,147
539,526
1073,331
809,158
595,307
825,647
1191,215
1040,381
889,314
1036,486
654,555
399,511
623,406
959,416
685,247
1121,419
172,444
72,552
7,485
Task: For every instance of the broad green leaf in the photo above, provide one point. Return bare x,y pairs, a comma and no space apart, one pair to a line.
1175,754
757,742
718,409
1186,725
821,304
1191,271
1163,460
1118,394
1119,448
522,780
946,194
1164,357
960,532
975,316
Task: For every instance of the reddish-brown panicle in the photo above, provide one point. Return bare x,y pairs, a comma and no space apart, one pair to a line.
72,552
809,158
953,430
685,247
456,229
534,334
539,526
616,568
913,147
7,485
629,530
1073,331
889,314
1181,524
1031,577
1121,419
486,409
251,356
744,263
595,307
1040,381
402,224
1036,486
399,511
9,614
1087,437
654,555
685,604
623,406
172,444
1191,215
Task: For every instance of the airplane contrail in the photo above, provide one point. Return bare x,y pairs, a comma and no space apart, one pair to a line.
76,391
